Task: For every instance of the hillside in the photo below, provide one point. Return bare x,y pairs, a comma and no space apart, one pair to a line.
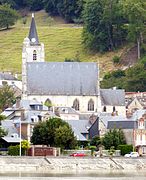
61,41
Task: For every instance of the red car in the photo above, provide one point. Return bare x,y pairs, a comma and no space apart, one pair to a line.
78,154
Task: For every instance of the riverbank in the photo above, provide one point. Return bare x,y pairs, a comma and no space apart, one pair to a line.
71,165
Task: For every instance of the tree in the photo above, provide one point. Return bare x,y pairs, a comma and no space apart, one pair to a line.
25,145
54,132
95,141
6,97
103,25
3,132
8,16
135,11
51,6
136,78
113,138
64,138
69,10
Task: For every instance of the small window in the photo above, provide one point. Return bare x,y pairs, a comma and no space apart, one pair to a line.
4,83
104,109
91,105
76,104
34,55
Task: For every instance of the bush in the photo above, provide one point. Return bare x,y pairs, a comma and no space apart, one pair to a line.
92,148
143,49
125,149
15,150
116,59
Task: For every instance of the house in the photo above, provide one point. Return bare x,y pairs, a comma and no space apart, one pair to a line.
13,136
65,84
66,113
80,129
9,79
135,101
134,129
28,113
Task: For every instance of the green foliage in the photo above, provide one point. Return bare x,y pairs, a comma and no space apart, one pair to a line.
114,138
25,144
3,132
132,79
136,78
69,10
95,141
116,59
114,79
6,97
15,150
64,137
111,150
104,27
125,149
92,148
8,16
135,11
2,117
54,132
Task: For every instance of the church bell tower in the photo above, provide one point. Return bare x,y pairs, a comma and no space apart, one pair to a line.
33,51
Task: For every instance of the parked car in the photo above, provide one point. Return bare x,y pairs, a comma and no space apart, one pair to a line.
78,154
132,154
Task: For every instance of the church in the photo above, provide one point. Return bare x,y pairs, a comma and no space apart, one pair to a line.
66,84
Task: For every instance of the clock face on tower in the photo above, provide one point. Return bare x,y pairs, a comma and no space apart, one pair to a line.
33,40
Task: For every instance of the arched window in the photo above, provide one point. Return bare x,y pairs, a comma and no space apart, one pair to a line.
48,103
104,109
91,105
76,104
34,55
114,109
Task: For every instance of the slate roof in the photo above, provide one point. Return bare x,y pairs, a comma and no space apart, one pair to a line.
62,78
33,32
66,110
9,126
106,117
11,139
112,97
79,128
122,125
138,114
6,76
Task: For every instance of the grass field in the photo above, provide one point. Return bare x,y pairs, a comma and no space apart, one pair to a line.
61,41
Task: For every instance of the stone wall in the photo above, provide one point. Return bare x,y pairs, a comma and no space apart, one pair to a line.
71,164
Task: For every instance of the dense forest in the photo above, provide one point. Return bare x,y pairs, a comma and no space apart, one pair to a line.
107,26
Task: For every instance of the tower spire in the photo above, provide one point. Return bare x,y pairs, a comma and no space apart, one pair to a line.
33,36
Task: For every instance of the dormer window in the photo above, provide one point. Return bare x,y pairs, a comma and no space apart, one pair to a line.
34,55
14,135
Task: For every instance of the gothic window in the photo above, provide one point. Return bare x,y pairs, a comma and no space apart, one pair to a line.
34,55
76,104
114,109
104,109
91,105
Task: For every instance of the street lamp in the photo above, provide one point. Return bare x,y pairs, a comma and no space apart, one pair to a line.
20,138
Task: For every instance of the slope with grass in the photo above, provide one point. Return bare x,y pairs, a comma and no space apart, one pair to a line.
61,41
